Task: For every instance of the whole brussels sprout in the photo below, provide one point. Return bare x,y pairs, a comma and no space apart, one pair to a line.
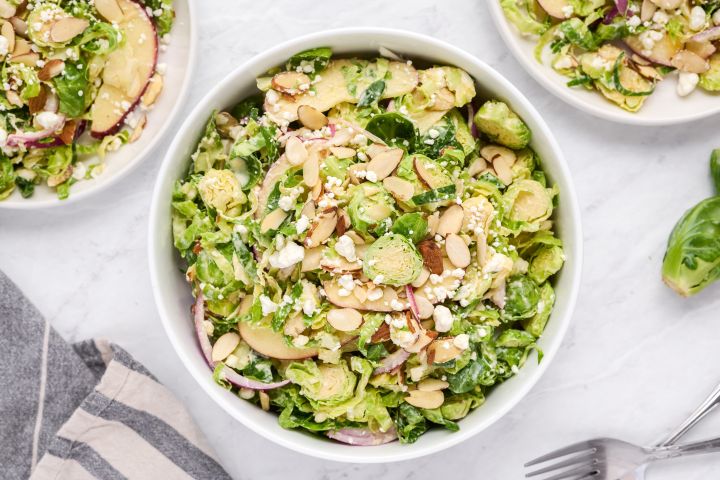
527,203
392,260
502,125
546,263
369,205
521,298
710,80
220,189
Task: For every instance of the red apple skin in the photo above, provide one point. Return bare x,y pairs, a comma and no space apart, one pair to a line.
100,131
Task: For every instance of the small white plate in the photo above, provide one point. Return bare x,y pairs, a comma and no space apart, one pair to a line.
179,57
663,107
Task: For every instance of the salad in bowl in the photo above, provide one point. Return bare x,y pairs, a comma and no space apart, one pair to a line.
78,79
623,49
370,245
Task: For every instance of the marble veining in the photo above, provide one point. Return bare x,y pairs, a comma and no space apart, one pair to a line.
636,360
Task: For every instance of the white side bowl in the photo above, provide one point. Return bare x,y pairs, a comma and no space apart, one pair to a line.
173,296
663,107
180,60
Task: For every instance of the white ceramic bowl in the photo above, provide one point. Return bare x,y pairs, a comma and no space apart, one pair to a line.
663,107
180,60
173,296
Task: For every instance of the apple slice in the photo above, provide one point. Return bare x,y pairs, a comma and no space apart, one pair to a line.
555,8
127,72
662,52
272,344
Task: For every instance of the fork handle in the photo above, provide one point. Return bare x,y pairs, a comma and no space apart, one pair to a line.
674,451
712,401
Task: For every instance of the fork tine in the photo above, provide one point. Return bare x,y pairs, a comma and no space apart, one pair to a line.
574,474
585,458
561,452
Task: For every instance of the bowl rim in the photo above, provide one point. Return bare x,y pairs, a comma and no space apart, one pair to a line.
152,144
512,41
155,242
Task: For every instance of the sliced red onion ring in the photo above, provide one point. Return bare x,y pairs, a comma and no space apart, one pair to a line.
56,140
27,138
709,35
203,340
471,121
410,294
392,361
363,437
243,382
610,15
622,6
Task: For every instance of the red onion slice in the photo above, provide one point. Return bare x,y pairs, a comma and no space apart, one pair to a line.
471,121
410,293
203,340
610,15
709,35
392,361
243,382
363,437
622,6
26,138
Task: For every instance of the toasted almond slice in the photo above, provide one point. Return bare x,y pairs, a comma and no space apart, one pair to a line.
295,325
264,400
67,28
311,260
477,166
295,151
502,166
422,172
30,59
139,127
701,49
425,400
687,61
322,228
8,32
37,103
433,222
22,46
316,191
225,346
451,220
308,210
385,163
432,385
432,256
109,10
443,350
425,338
649,72
153,90
311,171
354,169
401,189
311,117
481,247
342,152
457,251
52,69
355,237
344,319
422,278
343,223
273,220
492,152
647,10
376,149
668,4
360,293
425,307
19,26
7,9
444,100
14,98
67,135
291,82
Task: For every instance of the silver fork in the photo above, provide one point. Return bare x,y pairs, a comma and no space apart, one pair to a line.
610,459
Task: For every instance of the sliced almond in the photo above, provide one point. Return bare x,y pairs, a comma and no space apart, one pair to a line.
477,166
311,117
19,26
8,32
423,170
451,220
30,59
316,191
109,10
7,9
424,339
382,334
503,169
37,103
291,82
425,307
481,247
153,90
21,46
353,171
295,151
443,350
647,10
343,223
687,61
322,228
225,346
311,171
668,4
342,152
355,237
457,251
344,319
425,400
422,278
444,100
52,69
67,135
139,127
308,210
432,385
385,163
67,28
295,325
273,220
433,221
264,400
648,72
701,49
401,189
493,152
432,256
14,98
360,293
311,260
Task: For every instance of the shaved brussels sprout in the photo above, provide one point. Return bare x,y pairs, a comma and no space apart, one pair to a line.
392,260
369,205
327,384
715,169
710,80
536,324
546,263
220,189
502,125
411,225
518,13
692,259
527,203
521,298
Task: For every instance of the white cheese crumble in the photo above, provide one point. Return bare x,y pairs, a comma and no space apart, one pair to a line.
346,248
687,83
697,18
462,341
443,318
267,305
302,224
47,119
568,10
288,256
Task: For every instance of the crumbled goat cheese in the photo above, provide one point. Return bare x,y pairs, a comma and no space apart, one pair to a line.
568,10
302,224
346,248
290,254
697,18
443,318
267,305
687,83
462,341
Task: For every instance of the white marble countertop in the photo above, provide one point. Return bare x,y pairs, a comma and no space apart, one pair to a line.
635,362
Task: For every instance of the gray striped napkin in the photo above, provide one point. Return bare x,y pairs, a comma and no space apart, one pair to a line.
86,410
